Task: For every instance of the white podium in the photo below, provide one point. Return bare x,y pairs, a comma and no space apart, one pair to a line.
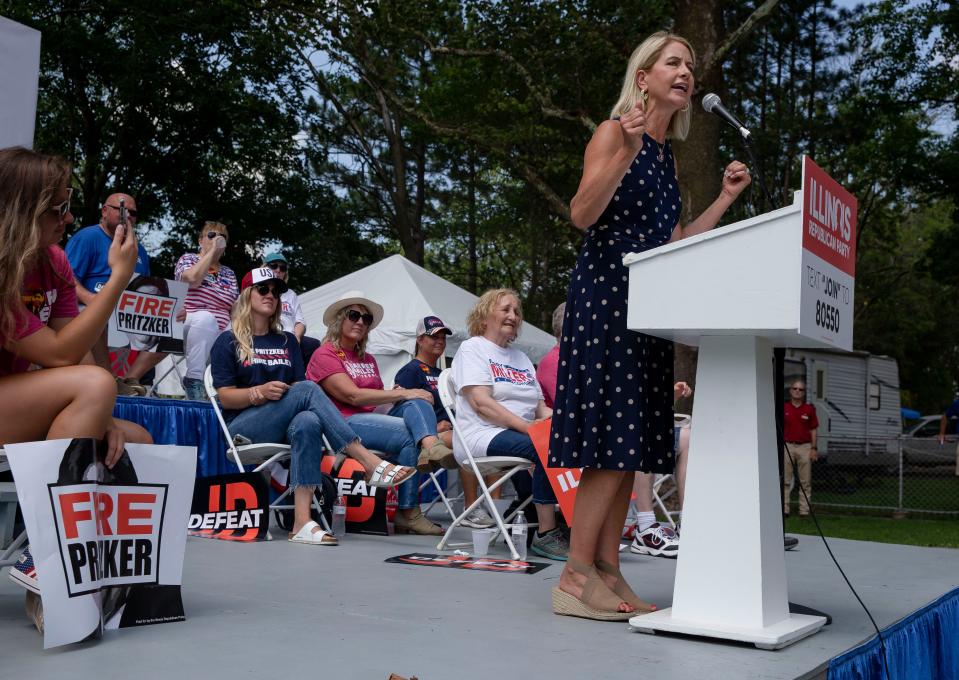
736,292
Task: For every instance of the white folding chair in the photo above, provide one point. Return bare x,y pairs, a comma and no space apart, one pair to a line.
433,478
260,455
481,466
175,361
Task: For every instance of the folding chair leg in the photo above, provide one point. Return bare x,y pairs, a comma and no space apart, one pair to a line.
442,496
319,511
10,554
658,500
484,497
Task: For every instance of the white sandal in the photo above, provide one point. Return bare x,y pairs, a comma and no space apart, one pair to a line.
307,535
385,474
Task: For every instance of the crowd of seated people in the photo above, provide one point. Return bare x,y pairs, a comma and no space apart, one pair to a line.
272,386
260,381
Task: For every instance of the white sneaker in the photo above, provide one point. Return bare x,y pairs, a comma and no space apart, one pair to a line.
657,540
478,519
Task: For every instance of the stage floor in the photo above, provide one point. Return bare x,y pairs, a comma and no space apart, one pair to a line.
275,609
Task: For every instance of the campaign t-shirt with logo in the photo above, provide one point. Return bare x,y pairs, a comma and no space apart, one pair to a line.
365,373
291,313
48,292
276,356
511,375
417,375
87,251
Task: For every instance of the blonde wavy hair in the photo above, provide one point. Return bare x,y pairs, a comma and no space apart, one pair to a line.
29,182
476,319
335,329
644,58
241,323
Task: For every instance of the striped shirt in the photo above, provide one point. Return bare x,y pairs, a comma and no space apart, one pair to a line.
215,294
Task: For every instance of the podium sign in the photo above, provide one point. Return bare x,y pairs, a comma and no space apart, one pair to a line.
828,258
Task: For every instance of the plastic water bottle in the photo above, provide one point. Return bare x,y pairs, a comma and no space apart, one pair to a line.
339,517
392,503
518,534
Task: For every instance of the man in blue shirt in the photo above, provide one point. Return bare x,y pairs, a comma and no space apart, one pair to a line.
87,251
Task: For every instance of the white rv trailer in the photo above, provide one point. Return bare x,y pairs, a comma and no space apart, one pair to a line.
856,395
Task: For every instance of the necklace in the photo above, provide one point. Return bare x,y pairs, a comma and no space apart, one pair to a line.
661,156
662,151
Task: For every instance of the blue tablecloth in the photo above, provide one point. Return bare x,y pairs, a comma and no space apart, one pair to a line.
182,422
193,423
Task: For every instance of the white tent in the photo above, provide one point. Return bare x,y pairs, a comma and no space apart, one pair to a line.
408,293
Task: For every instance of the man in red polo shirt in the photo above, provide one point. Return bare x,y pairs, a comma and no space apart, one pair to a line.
799,430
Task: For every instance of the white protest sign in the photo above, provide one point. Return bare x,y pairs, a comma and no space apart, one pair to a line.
107,543
145,317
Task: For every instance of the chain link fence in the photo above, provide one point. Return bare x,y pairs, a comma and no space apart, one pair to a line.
910,476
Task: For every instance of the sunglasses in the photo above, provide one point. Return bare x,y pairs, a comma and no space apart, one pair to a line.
277,266
62,209
210,234
265,289
130,212
797,389
354,316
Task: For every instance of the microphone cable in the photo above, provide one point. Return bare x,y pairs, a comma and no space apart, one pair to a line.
812,514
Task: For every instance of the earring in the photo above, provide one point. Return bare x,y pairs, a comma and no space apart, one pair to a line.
685,108
645,97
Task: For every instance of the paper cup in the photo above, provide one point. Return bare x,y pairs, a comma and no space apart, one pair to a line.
481,539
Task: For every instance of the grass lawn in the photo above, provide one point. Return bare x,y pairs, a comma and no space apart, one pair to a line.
924,532
920,492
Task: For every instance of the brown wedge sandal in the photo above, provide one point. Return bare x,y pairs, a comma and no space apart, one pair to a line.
622,589
598,601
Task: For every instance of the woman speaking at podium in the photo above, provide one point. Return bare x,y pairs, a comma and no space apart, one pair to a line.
614,394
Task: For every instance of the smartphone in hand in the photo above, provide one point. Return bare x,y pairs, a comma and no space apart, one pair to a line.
124,213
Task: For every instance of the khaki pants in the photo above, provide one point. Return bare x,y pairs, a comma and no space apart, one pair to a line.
803,470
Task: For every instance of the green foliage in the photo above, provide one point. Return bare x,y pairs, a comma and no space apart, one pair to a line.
862,93
453,131
194,109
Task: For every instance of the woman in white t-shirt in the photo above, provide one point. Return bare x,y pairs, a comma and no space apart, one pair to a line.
498,398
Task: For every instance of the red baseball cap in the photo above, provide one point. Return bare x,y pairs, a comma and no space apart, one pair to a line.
263,275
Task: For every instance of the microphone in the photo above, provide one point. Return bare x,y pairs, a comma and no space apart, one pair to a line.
713,104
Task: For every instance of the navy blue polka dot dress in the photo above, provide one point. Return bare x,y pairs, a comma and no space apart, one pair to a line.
614,388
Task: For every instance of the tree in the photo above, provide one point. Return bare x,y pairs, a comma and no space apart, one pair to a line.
192,108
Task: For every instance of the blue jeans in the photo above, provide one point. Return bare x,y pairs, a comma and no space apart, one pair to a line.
398,437
194,389
299,419
418,416
513,443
